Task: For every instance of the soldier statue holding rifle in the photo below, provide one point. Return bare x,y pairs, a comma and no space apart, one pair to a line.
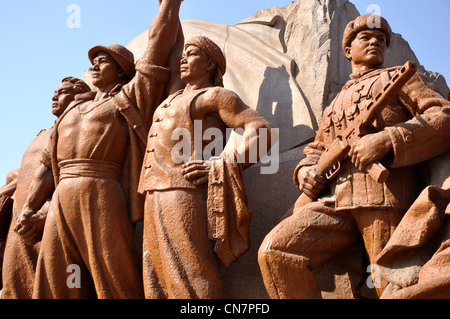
359,175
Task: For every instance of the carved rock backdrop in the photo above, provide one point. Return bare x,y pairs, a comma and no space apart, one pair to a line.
288,64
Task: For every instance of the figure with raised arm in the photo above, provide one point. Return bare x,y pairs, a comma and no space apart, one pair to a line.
89,246
196,210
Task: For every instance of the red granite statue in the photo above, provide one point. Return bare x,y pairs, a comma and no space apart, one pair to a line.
96,153
359,176
25,231
196,214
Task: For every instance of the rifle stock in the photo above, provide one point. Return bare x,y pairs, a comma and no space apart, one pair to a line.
330,162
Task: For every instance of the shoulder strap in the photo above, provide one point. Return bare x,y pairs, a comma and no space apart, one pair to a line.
385,77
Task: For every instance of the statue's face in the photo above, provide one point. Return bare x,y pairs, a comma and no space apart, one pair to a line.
194,65
368,48
105,70
64,95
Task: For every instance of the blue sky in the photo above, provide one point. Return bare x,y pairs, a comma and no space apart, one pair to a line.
39,49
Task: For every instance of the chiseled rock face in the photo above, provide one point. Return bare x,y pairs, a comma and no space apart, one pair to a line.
259,71
313,37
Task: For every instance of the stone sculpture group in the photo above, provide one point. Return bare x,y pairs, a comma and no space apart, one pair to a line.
137,191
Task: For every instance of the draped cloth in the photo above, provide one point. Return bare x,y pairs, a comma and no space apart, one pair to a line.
406,260
228,212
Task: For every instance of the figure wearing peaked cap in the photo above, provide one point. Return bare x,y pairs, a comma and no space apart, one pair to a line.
120,54
353,207
96,154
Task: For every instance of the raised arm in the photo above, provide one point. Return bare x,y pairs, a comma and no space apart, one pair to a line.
155,74
174,64
163,32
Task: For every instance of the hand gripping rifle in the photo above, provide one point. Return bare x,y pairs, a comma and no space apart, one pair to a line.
330,162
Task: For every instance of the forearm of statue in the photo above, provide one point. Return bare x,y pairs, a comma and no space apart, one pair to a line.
174,64
41,188
163,32
370,148
9,188
257,138
256,141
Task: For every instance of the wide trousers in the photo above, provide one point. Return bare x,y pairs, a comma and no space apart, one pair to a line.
178,259
314,234
89,247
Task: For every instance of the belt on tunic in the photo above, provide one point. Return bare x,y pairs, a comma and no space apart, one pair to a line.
89,168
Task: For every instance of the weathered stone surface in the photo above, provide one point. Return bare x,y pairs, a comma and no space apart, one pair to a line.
313,37
288,63
269,197
259,71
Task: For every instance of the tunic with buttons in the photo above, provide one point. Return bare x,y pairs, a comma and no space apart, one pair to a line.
178,259
173,127
410,119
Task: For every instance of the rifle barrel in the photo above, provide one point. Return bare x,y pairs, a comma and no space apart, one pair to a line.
339,149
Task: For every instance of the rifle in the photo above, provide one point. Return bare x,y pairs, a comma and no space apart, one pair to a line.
330,162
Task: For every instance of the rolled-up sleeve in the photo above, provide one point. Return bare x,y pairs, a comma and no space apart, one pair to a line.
145,91
153,72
